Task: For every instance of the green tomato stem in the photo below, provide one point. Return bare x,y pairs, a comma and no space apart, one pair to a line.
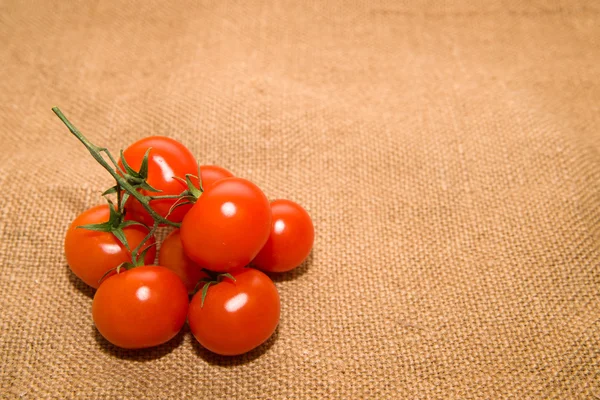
96,151
166,196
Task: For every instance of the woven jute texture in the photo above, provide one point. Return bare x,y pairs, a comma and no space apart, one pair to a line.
448,153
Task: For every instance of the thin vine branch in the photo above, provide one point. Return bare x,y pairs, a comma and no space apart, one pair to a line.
96,151
136,252
166,196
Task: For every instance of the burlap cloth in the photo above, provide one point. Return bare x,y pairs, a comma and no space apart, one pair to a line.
448,154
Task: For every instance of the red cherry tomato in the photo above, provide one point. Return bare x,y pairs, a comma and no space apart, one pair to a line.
211,174
167,159
171,256
143,307
291,238
91,254
236,316
227,226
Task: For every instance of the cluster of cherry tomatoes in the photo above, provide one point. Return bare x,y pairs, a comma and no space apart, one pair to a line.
225,233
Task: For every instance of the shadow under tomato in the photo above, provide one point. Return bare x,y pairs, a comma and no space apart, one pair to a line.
78,284
140,355
234,361
293,274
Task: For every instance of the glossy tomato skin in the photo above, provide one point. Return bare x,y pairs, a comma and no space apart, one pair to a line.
90,254
167,159
171,256
237,316
227,226
291,238
142,307
211,174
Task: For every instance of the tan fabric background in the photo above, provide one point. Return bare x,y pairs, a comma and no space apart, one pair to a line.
449,153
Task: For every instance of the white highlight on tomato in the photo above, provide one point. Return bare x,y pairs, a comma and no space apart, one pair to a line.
167,172
279,226
143,293
236,302
228,209
111,248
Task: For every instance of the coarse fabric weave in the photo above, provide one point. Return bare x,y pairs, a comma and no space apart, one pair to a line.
448,153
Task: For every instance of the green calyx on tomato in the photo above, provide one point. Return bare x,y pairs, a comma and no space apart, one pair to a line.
115,224
137,260
212,279
165,163
138,179
94,252
190,195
